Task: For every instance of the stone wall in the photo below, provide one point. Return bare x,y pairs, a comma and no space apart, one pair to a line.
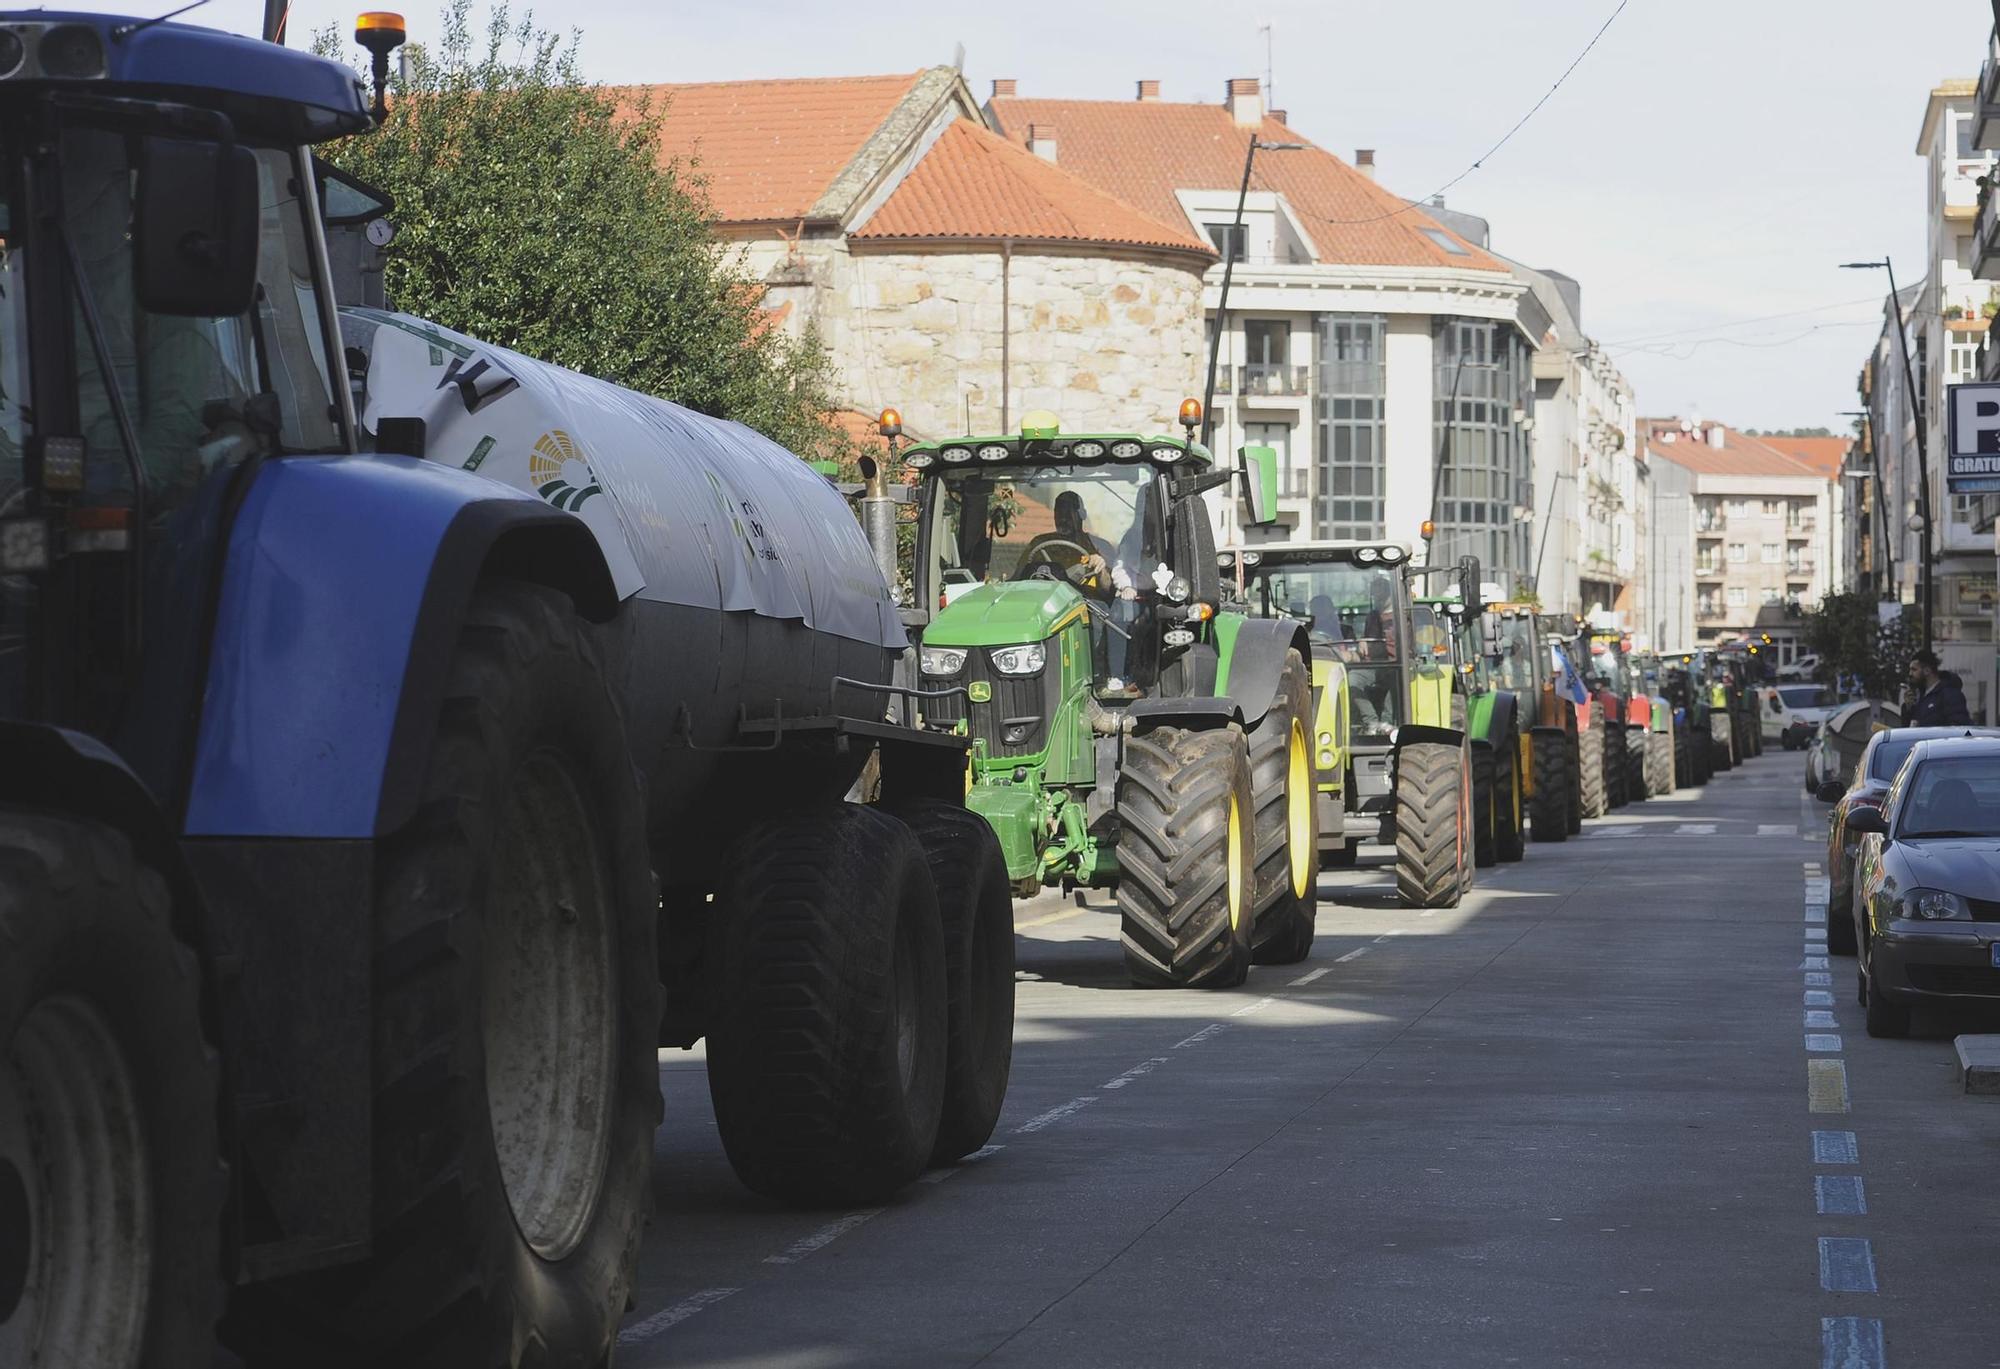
1107,343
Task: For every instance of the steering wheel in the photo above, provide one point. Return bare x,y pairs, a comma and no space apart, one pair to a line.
1031,565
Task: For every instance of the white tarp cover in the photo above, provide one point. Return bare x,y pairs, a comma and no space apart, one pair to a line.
688,509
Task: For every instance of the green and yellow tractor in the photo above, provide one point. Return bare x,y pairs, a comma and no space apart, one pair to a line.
1127,733
1493,718
1406,778
1523,664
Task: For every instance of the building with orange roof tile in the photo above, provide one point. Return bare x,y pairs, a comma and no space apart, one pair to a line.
1386,355
1764,534
950,273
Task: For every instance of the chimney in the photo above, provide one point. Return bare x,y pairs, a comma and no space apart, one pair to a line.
1717,437
1003,87
1364,161
1149,90
1277,114
1246,102
1042,141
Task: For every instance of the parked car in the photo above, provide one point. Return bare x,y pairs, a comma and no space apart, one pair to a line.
1881,759
1792,712
1927,883
1835,751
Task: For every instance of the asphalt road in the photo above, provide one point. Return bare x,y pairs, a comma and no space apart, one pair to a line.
1587,1118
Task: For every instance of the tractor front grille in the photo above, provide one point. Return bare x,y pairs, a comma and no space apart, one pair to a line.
1015,721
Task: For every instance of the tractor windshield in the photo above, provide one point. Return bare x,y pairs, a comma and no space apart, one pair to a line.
1351,609
1514,654
992,523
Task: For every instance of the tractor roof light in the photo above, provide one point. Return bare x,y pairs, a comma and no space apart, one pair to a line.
890,424
381,32
1190,415
1167,456
1392,554
1427,530
1251,558
1086,450
1225,561
955,456
994,451
1127,450
918,461
1367,555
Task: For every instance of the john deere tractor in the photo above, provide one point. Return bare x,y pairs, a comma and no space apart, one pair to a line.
1493,720
1126,733
1407,776
1523,665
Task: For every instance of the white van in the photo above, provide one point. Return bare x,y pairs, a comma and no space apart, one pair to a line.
1793,712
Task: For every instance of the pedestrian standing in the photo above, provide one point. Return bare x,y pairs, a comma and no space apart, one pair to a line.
1939,702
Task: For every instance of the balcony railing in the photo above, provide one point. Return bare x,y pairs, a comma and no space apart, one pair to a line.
1712,569
1986,113
1708,612
1270,378
1985,238
1295,484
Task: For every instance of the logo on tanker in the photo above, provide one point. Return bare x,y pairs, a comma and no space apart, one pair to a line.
559,472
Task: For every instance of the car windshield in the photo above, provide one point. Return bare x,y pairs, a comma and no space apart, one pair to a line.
1888,758
1806,696
1952,796
1513,653
1008,523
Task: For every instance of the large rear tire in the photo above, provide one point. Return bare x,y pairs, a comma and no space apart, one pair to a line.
1433,810
1485,806
1637,788
1281,776
976,909
111,1174
1684,775
826,1058
1590,749
1572,748
517,1013
1186,858
1721,743
1659,764
1549,808
1509,813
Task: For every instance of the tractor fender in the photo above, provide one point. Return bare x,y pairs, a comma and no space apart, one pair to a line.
1253,662
1192,713
343,587
1409,734
1506,708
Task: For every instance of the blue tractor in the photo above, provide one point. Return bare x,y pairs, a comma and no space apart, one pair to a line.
378,793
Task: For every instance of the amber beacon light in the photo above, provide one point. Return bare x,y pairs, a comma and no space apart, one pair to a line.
381,32
1190,413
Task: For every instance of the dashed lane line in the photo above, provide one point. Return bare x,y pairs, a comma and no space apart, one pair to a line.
1354,954
1826,1085
943,1172
1055,1114
1210,1030
1846,1264
1835,1148
669,1317
1851,1343
1138,1071
1822,1041
1820,1018
1308,978
1819,998
1266,1001
1840,1195
823,1237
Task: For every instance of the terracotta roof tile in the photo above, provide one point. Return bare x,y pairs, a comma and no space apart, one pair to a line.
1825,455
974,184
770,149
1740,454
1143,151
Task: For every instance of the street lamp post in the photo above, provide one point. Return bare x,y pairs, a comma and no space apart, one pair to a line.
1923,457
1548,521
1228,269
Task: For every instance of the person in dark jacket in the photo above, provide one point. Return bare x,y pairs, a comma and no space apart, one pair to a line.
1939,701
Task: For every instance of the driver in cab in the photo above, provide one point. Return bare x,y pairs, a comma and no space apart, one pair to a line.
1090,569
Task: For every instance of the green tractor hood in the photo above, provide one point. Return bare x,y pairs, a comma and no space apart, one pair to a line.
1004,614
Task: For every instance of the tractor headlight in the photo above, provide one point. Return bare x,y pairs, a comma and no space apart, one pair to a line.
1086,451
1019,660
1391,555
1326,759
1934,905
994,451
1366,555
1126,451
943,660
1166,456
918,461
955,456
1178,590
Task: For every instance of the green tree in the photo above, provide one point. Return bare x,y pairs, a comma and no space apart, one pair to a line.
533,210
1854,643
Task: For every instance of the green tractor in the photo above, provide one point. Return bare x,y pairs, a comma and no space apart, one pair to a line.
1493,719
1126,733
1663,741
1693,761
1523,665
1406,777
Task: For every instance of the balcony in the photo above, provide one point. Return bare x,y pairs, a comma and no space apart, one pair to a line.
1273,380
1708,570
1986,114
1986,236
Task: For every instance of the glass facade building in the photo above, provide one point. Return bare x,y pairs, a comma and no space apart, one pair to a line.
1483,376
1349,410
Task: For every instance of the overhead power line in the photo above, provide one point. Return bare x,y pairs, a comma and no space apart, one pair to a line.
1505,138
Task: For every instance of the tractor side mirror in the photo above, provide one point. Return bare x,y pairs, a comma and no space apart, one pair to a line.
1260,483
195,228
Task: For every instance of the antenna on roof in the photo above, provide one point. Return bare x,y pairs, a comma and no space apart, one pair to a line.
958,58
1270,85
124,31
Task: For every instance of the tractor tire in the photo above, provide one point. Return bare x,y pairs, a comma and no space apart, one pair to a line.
1660,761
1485,776
1573,754
107,1109
1287,826
1721,743
1683,761
1590,749
1185,858
1433,810
1637,789
827,1055
1549,809
1614,766
976,910
517,1015
1510,815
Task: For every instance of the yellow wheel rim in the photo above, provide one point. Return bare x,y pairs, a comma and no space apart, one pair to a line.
1298,811
1235,840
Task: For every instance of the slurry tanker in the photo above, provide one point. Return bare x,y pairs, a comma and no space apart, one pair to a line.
400,740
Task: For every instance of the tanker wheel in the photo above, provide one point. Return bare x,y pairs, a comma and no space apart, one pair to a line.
1281,777
1573,778
1637,785
111,1174
1548,808
1186,858
976,909
1484,803
517,1015
1590,766
827,1057
1433,810
1509,818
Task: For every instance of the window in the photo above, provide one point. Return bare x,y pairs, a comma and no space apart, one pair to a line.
1481,377
1738,553
1446,241
1961,249
1739,508
1773,507
1768,595
1796,591
1267,342
1962,131
1351,463
1707,514
1772,553
1229,239
1738,596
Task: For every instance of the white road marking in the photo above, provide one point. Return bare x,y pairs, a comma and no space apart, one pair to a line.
823,1237
1819,979
1144,1067
1056,1114
1210,1030
1777,829
1695,829
1818,998
1357,952
1814,962
939,1175
1822,1041
669,1317
1619,830
1820,1017
1310,977
1258,1006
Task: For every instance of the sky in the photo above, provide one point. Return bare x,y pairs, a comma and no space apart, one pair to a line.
1706,167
